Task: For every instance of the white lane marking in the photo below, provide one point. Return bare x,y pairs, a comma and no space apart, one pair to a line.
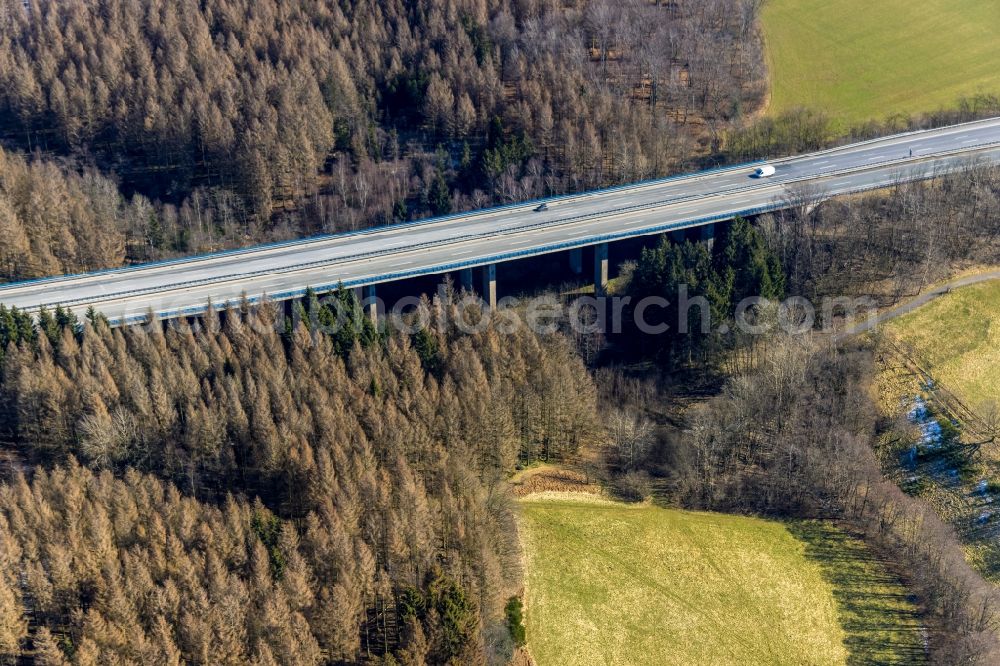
103,287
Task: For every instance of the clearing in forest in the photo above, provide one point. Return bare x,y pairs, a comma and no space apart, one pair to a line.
943,369
609,583
860,60
956,339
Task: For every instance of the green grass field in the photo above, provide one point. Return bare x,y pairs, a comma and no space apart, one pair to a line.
956,338
864,59
608,583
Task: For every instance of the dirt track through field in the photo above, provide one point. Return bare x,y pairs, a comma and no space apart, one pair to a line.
919,301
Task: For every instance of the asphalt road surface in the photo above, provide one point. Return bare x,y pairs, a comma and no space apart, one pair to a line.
440,245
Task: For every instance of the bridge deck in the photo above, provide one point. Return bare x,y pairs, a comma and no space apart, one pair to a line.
284,270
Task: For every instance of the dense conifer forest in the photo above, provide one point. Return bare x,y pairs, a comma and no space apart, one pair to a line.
228,123
259,488
379,461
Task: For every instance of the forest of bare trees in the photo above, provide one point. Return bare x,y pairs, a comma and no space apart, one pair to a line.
805,129
891,243
261,120
784,425
794,439
254,490
387,459
99,569
791,437
130,571
53,220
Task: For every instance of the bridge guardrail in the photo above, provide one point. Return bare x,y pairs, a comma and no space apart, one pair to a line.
434,220
508,256
373,230
650,206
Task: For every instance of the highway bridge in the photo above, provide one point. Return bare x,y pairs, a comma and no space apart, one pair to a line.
483,239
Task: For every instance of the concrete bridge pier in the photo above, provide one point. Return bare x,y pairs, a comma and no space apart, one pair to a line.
465,279
600,269
369,303
708,235
489,292
223,312
576,260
